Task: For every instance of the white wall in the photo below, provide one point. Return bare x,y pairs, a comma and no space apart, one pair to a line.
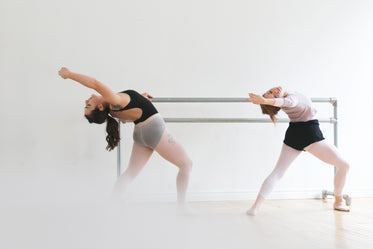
204,48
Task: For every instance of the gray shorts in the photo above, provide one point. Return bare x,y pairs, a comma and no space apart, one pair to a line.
149,132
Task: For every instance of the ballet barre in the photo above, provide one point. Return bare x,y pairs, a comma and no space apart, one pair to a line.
333,120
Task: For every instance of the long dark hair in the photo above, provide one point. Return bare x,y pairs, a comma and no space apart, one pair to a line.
271,111
112,126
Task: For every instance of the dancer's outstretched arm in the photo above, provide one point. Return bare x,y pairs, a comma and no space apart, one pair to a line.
109,95
260,100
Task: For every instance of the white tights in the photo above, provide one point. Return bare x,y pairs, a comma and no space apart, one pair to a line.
169,149
324,151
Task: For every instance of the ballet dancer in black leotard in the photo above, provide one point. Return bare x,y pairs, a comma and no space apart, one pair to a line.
150,133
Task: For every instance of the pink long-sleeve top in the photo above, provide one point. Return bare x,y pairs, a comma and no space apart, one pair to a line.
297,106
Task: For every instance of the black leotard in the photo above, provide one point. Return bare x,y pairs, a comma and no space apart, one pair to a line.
139,101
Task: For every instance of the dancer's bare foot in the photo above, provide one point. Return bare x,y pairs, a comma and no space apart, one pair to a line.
341,206
252,211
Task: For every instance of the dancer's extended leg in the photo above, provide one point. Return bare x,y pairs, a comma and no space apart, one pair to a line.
172,151
287,156
328,153
139,157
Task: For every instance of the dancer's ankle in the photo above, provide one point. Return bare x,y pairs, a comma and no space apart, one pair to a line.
338,198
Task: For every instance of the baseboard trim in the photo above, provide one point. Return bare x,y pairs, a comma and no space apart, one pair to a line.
240,195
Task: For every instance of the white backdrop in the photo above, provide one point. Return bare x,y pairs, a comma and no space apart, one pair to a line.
204,48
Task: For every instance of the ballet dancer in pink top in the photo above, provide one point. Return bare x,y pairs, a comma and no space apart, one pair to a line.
303,134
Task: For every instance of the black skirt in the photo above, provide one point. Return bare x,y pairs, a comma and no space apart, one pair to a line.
301,134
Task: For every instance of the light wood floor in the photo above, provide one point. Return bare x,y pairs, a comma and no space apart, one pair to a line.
281,224
296,224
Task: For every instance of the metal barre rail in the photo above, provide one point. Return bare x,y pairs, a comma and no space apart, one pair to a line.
230,120
333,120
237,120
223,100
